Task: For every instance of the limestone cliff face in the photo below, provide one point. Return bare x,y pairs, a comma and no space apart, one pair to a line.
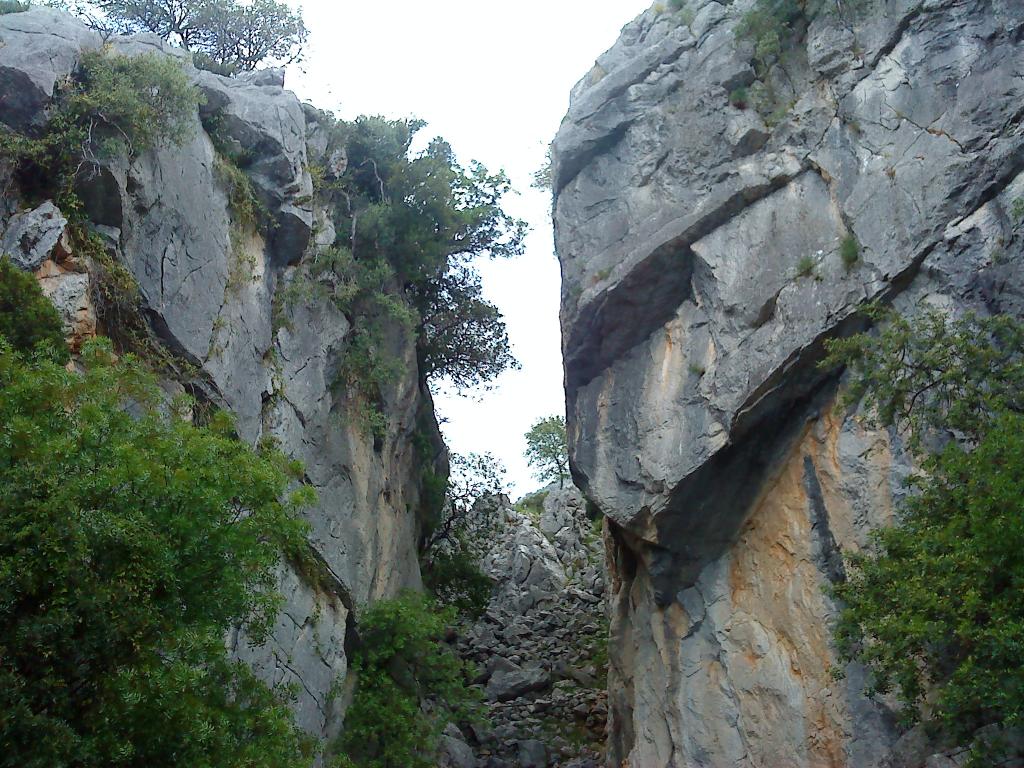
213,292
701,253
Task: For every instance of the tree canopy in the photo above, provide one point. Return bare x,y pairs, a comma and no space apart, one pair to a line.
225,35
936,608
131,542
547,451
410,225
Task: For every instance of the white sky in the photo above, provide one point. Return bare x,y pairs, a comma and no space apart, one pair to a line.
493,78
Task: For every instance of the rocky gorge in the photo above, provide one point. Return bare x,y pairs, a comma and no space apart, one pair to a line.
717,222
710,243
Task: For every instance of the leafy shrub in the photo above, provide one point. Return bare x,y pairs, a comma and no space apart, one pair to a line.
115,103
454,542
455,579
849,252
1017,211
775,26
739,98
28,320
130,543
935,374
934,609
532,504
139,101
402,661
805,267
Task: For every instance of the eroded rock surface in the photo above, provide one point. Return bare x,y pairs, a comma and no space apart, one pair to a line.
701,249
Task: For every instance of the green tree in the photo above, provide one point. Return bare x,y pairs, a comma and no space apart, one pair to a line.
225,35
131,543
463,338
935,609
410,226
457,540
28,320
547,451
403,661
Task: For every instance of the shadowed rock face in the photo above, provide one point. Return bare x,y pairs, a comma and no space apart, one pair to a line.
702,271
210,288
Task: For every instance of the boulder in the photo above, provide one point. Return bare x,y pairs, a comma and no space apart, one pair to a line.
511,682
533,754
39,48
32,236
264,127
455,752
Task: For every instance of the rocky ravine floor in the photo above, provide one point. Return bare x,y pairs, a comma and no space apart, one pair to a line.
541,644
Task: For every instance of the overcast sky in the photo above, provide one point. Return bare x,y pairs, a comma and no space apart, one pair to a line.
493,79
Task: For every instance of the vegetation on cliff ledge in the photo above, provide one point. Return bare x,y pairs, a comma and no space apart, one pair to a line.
113,105
409,227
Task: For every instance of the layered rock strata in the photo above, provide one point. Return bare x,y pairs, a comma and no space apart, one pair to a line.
706,257
213,294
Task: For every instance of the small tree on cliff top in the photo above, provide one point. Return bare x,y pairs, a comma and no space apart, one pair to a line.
547,451
225,35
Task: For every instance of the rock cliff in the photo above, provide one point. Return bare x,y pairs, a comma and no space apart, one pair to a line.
213,300
708,249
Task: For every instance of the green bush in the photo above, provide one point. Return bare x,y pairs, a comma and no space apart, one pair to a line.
739,98
114,103
13,6
402,661
776,26
457,537
532,504
131,542
935,608
455,579
849,251
135,101
28,320
805,267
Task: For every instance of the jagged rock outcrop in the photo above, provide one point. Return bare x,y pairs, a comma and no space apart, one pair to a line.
702,249
212,293
539,646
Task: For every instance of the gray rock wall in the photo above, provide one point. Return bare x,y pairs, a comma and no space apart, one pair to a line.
208,285
700,246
